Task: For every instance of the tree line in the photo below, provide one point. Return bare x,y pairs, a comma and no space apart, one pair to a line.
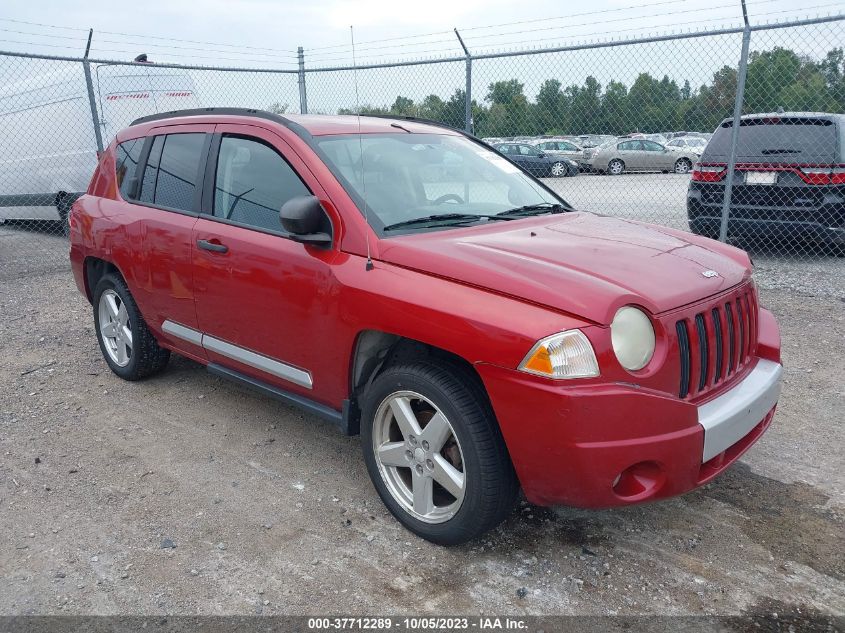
777,79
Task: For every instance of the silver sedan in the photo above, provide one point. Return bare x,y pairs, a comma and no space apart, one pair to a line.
640,155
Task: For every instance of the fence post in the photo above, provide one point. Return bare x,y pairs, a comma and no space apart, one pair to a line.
468,90
95,119
740,96
303,97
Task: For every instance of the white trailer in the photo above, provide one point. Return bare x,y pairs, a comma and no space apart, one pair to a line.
48,147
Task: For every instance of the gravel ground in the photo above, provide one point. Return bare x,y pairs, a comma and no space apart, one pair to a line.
184,494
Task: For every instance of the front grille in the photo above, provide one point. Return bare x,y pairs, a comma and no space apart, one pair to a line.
716,342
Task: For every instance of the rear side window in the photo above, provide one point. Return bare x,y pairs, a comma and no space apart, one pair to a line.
126,161
776,140
172,172
253,182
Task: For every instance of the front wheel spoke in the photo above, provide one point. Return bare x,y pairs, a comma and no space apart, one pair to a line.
392,454
436,432
122,315
111,304
423,493
121,352
108,330
449,477
405,416
127,335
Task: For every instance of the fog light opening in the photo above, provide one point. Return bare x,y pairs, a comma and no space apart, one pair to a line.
639,481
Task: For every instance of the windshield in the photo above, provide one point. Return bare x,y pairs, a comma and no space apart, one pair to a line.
408,176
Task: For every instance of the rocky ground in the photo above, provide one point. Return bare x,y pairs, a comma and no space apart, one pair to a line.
184,494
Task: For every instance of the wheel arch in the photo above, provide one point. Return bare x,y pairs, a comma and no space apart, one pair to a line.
95,269
375,350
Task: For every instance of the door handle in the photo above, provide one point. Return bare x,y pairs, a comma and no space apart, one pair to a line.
212,245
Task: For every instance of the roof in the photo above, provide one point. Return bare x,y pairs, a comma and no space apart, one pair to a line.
316,124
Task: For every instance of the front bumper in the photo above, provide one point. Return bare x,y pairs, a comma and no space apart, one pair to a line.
604,445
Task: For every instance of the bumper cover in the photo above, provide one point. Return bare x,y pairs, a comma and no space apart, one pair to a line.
610,444
732,415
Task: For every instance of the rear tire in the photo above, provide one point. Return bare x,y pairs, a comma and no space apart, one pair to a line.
129,348
405,415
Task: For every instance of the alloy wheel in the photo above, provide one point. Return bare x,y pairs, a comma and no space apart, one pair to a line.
115,328
419,457
682,166
558,169
616,167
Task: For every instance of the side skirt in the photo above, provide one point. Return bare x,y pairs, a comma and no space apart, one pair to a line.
343,420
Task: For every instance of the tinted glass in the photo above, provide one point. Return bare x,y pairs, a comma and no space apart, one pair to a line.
148,184
178,174
407,176
253,182
777,140
525,150
126,160
651,146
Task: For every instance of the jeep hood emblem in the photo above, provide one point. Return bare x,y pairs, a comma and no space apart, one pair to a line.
710,273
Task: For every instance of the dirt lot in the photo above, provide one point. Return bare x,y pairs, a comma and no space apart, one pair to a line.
185,494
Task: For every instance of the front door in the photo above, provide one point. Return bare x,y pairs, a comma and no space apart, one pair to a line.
259,294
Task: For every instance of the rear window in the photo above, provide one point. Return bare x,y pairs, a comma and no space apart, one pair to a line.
171,175
776,140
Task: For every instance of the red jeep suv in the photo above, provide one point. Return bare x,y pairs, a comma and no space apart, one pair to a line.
403,280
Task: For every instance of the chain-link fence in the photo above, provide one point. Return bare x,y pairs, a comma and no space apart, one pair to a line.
661,129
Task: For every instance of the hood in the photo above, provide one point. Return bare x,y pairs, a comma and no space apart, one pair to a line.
579,263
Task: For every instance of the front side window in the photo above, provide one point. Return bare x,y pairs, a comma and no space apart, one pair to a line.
403,177
253,182
651,146
526,150
126,161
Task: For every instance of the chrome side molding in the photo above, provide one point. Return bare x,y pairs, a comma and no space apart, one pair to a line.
258,361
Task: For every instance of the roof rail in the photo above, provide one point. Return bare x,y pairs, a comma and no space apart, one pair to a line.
262,114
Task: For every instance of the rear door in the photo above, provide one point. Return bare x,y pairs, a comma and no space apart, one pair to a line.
163,202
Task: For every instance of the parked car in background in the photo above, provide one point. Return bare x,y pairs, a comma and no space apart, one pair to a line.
48,167
657,138
561,147
693,144
789,182
640,155
481,334
537,162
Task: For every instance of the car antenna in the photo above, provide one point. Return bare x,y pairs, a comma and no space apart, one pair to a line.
369,265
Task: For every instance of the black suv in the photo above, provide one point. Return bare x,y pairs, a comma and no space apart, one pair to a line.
789,182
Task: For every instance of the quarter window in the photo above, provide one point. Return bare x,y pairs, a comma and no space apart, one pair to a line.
148,184
126,162
253,182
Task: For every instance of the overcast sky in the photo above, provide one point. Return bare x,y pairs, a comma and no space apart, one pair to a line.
267,32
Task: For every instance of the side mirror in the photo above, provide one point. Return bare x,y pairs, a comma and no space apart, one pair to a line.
542,154
306,221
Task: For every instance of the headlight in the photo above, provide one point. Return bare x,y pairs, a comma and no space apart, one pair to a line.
565,355
632,336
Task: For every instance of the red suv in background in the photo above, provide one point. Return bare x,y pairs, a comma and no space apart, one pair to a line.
402,279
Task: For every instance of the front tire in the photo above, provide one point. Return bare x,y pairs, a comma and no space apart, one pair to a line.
558,169
616,167
129,348
435,453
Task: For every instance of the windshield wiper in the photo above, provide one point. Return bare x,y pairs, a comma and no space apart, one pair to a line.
441,219
535,209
